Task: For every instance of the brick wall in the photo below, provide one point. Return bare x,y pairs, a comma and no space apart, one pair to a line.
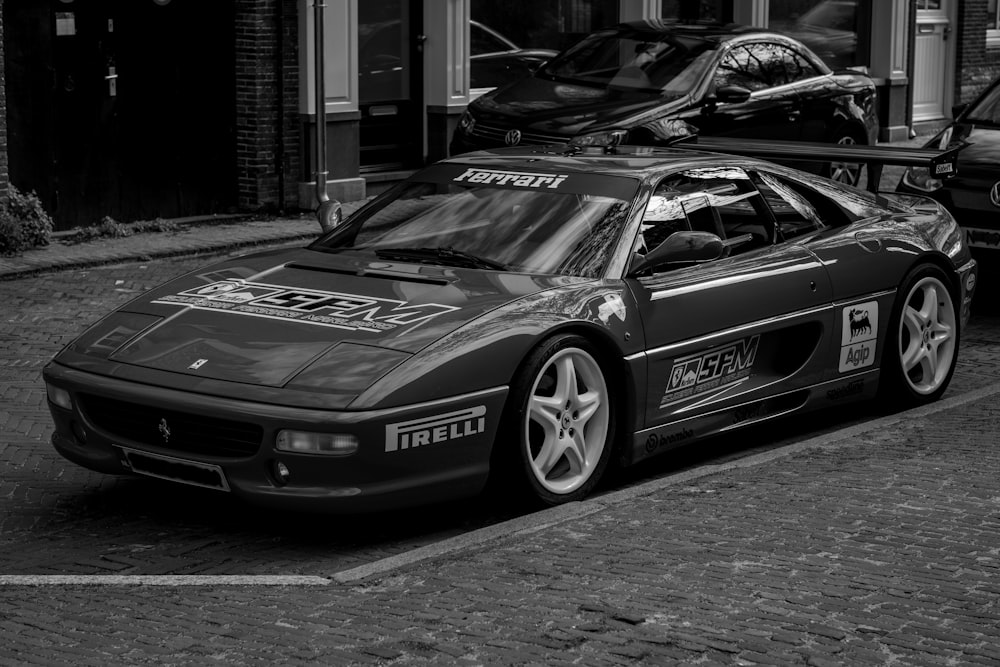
976,65
268,150
4,174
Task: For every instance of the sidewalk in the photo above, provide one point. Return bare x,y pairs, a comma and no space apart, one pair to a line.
202,236
205,236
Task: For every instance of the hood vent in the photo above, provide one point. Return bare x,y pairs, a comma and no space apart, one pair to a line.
367,273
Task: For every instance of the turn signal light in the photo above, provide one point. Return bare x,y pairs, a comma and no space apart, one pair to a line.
59,397
305,442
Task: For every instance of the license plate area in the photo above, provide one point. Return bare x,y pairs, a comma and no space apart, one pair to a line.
205,475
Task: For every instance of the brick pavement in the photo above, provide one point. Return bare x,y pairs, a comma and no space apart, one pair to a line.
881,547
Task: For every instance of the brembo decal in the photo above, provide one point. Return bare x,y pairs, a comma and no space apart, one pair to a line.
520,179
858,336
719,368
353,312
439,428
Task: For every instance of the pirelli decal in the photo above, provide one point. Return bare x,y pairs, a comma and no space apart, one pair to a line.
521,179
353,312
698,373
438,428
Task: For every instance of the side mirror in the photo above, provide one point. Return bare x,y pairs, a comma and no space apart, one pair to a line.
681,247
330,214
733,94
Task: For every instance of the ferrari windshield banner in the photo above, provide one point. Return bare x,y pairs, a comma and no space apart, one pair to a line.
353,312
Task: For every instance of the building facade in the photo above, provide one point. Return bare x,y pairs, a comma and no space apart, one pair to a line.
137,109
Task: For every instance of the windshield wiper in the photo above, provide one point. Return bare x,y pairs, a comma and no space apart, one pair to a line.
444,254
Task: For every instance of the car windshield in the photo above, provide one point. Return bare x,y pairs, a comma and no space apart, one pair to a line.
528,222
633,60
987,110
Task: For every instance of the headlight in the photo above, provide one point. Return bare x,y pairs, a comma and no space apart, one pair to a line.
609,138
466,123
306,442
59,397
919,178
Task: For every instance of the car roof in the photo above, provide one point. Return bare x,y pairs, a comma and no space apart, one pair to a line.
640,162
709,30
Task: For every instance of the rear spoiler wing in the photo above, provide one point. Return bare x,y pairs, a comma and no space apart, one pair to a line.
940,163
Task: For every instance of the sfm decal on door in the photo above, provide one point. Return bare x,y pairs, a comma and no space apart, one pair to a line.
698,373
858,336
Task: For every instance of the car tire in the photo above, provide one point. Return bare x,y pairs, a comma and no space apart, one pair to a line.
563,420
923,336
845,172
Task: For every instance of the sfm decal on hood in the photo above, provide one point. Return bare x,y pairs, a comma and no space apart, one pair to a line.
353,312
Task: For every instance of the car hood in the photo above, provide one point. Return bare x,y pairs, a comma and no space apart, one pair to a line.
296,319
982,149
570,108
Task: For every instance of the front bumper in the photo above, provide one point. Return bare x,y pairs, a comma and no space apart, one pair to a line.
407,455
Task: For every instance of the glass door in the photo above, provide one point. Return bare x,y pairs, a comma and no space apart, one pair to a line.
390,84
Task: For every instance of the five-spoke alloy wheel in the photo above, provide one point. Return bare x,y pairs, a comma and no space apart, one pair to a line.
925,334
846,172
566,419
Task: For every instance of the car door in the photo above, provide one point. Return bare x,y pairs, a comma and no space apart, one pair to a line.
771,112
845,230
726,334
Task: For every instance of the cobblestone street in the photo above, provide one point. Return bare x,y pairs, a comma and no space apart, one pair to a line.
872,541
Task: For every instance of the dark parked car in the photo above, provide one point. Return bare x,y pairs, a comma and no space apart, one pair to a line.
648,82
527,315
973,195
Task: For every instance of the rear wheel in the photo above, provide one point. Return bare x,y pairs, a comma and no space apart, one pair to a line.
845,172
564,420
923,335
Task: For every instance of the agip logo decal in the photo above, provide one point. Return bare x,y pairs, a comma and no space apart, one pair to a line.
858,336
698,373
353,312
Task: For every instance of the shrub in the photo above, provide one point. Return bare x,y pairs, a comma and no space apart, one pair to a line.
24,223
109,228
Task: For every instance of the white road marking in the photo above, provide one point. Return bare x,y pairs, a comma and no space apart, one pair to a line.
160,580
523,525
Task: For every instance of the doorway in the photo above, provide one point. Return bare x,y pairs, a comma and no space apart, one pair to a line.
122,108
933,61
390,84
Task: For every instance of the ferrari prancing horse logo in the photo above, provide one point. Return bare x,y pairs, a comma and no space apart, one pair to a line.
164,430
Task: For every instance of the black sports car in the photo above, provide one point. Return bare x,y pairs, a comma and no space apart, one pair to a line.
973,195
648,82
528,315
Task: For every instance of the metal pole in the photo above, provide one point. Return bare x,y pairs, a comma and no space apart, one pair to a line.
328,212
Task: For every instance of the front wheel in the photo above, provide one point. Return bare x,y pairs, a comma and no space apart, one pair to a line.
923,337
564,420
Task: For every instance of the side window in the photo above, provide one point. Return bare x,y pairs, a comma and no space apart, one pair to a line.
797,209
720,200
482,41
789,66
741,67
